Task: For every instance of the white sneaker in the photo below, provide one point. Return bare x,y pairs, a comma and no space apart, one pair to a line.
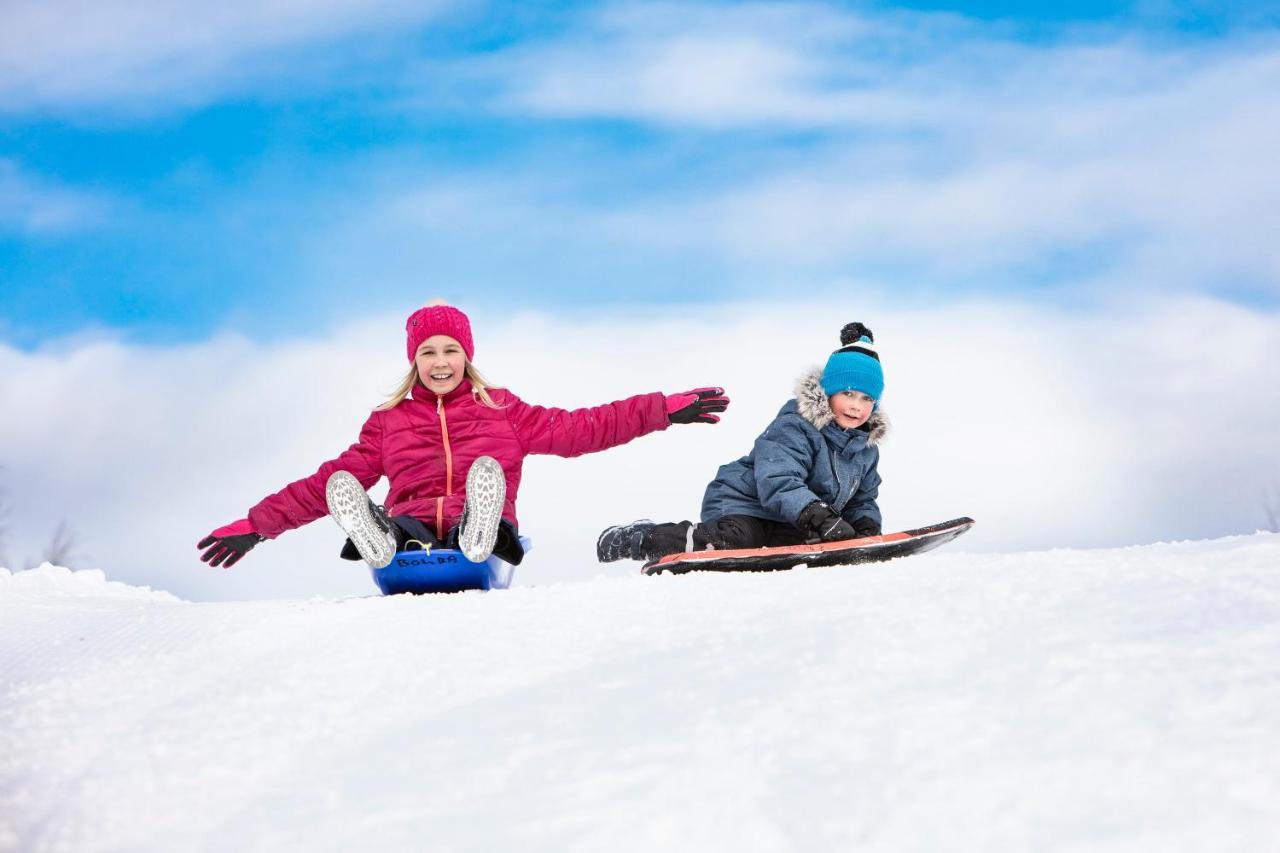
486,495
365,523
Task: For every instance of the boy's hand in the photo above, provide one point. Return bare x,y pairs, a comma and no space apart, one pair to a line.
229,543
823,524
696,406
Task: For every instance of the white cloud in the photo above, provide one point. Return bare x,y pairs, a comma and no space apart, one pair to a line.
812,66
1131,423
35,206
67,53
935,142
692,64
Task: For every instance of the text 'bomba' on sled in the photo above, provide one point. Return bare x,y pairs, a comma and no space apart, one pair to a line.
443,570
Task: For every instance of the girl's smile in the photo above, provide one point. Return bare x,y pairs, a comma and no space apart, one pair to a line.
851,408
441,364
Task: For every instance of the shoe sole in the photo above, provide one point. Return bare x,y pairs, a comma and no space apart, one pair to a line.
349,507
486,495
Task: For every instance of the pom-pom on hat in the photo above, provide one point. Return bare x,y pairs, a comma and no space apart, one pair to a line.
856,365
438,318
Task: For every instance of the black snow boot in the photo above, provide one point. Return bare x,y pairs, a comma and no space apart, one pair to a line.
624,541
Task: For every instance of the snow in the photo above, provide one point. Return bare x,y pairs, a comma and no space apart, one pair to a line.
1121,699
50,581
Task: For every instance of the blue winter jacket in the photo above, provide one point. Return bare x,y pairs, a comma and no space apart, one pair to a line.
803,456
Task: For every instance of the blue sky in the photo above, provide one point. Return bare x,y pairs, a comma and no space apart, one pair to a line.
163,178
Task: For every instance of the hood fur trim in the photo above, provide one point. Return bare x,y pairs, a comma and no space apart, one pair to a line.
812,405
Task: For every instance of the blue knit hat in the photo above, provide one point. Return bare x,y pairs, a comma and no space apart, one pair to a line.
856,365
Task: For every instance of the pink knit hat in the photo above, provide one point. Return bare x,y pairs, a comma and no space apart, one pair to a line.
437,318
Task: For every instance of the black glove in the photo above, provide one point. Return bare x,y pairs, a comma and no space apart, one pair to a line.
696,406
866,527
228,544
824,524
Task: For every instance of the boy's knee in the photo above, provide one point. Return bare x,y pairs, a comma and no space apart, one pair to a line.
729,533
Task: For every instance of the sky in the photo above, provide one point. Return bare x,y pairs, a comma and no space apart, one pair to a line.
201,207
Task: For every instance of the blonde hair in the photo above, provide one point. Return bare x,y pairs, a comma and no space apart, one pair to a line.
479,387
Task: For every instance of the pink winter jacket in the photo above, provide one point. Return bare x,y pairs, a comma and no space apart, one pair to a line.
426,445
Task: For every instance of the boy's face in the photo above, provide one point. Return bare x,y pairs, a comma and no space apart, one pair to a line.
851,408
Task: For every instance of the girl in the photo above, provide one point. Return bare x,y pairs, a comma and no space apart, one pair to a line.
444,419
810,477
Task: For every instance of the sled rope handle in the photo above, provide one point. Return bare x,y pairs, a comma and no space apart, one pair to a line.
425,546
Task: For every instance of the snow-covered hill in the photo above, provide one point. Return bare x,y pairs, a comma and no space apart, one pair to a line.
1067,700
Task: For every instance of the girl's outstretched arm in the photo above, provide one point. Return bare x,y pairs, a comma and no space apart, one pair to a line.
303,501
573,432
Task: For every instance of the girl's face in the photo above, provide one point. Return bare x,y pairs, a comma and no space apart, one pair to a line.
441,364
851,408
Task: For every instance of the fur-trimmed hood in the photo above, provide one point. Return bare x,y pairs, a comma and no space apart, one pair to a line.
812,405
802,456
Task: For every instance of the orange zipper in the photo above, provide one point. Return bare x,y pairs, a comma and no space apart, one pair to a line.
448,467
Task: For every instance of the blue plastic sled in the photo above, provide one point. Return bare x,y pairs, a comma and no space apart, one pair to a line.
443,570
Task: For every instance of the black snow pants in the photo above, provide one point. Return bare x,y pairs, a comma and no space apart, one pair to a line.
727,533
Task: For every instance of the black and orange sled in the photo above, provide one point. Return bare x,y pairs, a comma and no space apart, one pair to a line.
872,549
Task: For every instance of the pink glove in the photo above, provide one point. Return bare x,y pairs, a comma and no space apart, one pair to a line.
696,406
229,543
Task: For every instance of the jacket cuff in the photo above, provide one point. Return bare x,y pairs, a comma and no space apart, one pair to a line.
660,407
261,526
793,503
